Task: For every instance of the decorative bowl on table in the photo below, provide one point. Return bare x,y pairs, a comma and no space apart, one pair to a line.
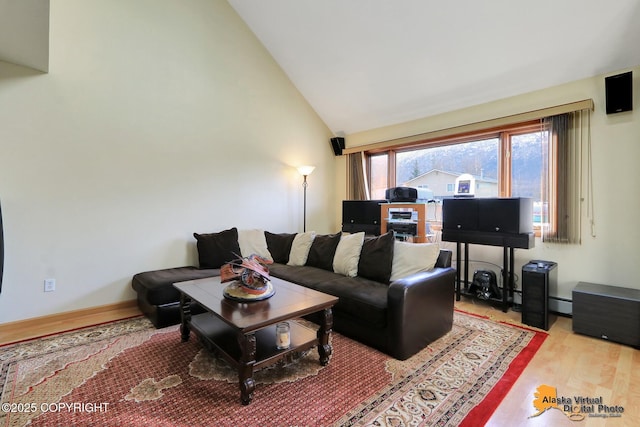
249,279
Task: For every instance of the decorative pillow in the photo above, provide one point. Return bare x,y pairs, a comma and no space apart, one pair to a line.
279,245
345,261
216,249
323,250
410,258
300,248
376,258
253,242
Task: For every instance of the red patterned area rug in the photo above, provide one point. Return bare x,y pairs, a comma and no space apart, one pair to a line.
129,374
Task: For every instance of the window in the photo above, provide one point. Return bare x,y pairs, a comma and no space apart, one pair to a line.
379,175
509,162
437,168
544,154
528,169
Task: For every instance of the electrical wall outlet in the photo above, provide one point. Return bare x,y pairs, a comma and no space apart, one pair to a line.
49,285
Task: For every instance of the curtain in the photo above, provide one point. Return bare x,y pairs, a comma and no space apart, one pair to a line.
357,184
569,176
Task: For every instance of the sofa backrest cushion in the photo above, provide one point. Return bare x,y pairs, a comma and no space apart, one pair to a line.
216,249
322,251
279,245
410,258
347,256
300,248
376,258
253,242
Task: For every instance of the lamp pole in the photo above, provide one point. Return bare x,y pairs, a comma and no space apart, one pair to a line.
305,171
304,205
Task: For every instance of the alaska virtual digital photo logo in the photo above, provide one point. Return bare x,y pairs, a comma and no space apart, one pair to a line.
576,408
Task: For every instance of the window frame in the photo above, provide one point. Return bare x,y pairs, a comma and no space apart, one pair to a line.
503,134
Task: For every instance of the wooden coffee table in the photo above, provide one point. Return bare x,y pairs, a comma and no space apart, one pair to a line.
244,332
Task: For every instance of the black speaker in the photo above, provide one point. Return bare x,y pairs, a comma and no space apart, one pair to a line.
337,144
536,278
361,215
505,215
460,214
619,92
608,312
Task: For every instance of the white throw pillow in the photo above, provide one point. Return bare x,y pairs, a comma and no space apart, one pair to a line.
345,260
253,242
300,248
410,258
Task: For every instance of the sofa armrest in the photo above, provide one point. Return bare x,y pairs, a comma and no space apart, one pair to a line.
420,310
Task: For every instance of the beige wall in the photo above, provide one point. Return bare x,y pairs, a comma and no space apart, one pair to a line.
160,118
610,256
157,119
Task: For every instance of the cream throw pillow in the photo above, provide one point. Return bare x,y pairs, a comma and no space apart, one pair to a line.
410,258
347,256
253,242
300,248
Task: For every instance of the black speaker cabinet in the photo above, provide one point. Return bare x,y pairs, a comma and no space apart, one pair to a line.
460,214
337,144
361,215
537,276
607,312
619,92
502,215
506,215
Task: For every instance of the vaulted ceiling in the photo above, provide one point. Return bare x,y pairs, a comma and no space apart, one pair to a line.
364,64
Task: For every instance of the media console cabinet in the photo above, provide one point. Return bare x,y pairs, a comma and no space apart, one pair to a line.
608,312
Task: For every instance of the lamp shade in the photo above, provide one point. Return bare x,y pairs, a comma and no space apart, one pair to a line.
305,170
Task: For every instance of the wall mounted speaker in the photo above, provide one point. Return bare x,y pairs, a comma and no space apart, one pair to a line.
337,144
619,92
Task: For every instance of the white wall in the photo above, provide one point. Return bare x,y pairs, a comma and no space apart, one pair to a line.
609,257
157,118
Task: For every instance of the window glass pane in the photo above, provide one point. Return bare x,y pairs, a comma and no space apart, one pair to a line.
528,169
379,175
437,168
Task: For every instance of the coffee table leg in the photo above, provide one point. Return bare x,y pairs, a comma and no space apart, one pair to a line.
324,348
185,316
245,368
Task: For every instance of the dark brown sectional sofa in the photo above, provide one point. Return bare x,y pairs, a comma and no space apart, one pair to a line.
399,317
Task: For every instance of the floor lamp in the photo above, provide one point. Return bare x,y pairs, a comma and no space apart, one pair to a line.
305,171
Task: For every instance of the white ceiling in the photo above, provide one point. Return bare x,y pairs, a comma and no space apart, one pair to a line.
364,64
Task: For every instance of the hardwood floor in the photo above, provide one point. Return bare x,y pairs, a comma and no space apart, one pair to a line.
46,325
575,365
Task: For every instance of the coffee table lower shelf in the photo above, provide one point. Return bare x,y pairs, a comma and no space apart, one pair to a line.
219,337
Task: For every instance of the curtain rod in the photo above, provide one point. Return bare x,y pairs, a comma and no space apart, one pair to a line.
586,104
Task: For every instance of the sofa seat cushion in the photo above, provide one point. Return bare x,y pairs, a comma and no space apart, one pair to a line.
156,287
302,275
357,295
